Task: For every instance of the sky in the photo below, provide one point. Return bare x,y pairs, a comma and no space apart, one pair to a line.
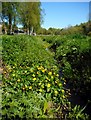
64,14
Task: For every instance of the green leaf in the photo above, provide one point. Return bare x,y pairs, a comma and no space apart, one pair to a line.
45,106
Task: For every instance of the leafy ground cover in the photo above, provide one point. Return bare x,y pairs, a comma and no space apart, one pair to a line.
72,53
32,87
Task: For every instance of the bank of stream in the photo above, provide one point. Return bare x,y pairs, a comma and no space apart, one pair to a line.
75,98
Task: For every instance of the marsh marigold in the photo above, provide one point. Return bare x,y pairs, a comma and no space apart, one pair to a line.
34,79
48,85
50,73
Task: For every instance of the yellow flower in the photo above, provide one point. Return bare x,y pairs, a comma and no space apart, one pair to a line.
48,85
23,88
57,75
43,70
52,77
5,72
18,80
8,67
62,91
69,93
54,73
37,72
42,86
56,92
39,68
30,87
55,81
39,83
60,84
50,73
25,71
33,75
63,96
13,75
40,90
34,79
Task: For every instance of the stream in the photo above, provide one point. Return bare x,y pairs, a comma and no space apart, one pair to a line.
75,98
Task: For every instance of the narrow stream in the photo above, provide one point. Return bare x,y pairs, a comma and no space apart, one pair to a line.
75,98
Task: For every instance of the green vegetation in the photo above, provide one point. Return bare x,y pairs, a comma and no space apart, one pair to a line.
29,71
37,69
72,53
83,28
28,14
32,87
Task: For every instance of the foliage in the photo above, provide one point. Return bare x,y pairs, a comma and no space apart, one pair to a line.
25,50
82,29
31,84
27,13
9,13
30,15
72,53
77,114
32,87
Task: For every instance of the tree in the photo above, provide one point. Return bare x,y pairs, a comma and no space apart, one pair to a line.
9,10
26,13
30,15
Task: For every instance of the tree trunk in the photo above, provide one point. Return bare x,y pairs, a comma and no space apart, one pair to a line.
10,24
14,27
32,30
29,30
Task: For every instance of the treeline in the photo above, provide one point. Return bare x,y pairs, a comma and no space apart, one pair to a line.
83,28
28,14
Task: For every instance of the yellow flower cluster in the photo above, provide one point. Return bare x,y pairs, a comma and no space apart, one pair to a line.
18,80
40,68
50,73
56,92
60,84
43,70
40,90
48,85
33,75
30,87
44,79
62,91
34,79
9,68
